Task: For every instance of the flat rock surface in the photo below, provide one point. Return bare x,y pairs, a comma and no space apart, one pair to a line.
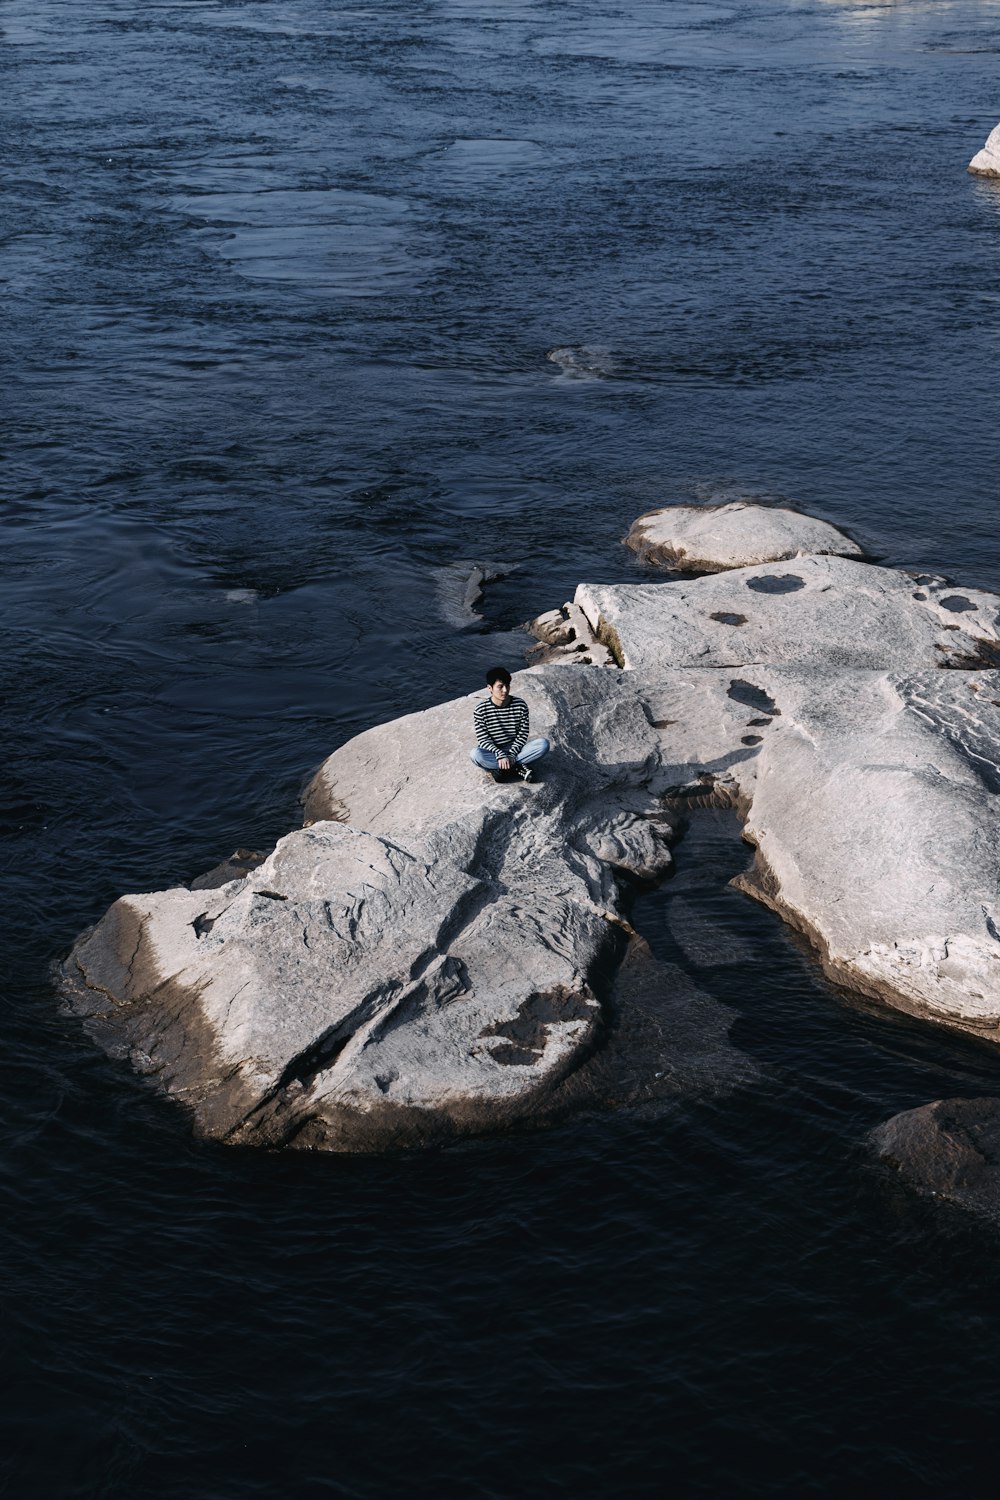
872,804
949,1149
422,958
433,952
710,539
986,163
822,612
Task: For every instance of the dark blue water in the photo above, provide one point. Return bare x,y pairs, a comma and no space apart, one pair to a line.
279,284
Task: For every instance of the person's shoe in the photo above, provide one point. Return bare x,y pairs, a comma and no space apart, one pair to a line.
502,776
525,773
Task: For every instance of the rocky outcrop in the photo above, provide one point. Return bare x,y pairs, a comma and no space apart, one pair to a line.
949,1150
871,800
825,612
867,775
712,538
427,956
565,635
986,163
432,953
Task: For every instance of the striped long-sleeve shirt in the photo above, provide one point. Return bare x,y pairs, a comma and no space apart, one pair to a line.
504,730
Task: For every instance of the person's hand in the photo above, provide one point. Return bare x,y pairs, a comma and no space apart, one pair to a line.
503,762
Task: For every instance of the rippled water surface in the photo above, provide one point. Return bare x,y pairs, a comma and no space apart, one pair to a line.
303,303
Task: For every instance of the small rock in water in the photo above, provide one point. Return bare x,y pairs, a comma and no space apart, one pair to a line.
949,1149
986,163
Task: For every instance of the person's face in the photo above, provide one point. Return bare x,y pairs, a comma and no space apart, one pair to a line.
499,692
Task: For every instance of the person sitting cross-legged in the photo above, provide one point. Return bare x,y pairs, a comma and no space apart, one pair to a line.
501,723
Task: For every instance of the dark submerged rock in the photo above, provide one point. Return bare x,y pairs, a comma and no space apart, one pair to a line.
949,1149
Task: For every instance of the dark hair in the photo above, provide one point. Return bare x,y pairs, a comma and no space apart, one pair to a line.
497,674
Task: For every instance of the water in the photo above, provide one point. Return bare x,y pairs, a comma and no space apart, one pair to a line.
302,302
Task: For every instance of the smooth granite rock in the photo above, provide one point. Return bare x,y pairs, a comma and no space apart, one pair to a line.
821,612
565,635
431,962
433,952
949,1149
986,163
712,538
872,805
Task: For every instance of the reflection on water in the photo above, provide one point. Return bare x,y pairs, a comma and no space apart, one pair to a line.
987,193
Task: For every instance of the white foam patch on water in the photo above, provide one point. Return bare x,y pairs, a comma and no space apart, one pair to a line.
578,362
241,596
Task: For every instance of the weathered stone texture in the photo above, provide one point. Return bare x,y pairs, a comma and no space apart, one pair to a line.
431,953
712,538
986,163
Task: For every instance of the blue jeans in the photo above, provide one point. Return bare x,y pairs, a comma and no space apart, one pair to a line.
533,750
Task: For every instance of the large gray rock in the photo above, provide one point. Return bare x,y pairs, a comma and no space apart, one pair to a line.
712,538
430,963
868,787
821,612
986,163
431,954
871,800
949,1149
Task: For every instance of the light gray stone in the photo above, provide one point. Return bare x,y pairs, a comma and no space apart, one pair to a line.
430,954
823,612
986,163
872,805
565,637
868,787
712,538
428,963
